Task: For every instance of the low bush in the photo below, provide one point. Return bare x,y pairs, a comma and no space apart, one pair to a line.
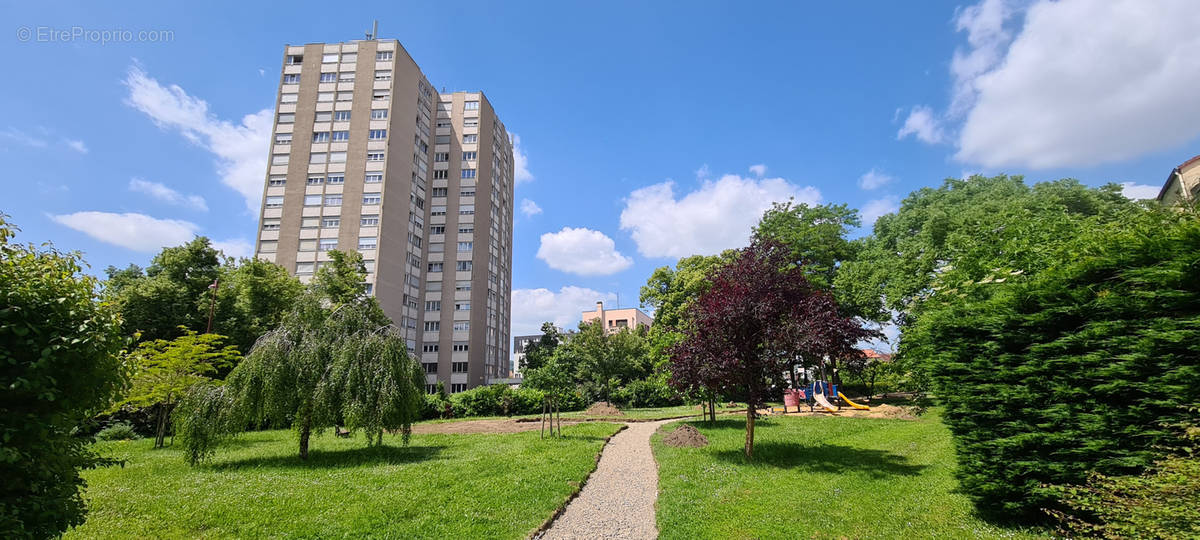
496,400
120,431
647,393
436,406
1162,503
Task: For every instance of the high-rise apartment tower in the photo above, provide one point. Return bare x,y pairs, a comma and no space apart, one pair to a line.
366,155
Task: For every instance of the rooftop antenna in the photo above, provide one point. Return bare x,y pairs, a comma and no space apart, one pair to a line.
374,33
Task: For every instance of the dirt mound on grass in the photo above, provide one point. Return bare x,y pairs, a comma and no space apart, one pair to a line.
603,408
686,435
892,411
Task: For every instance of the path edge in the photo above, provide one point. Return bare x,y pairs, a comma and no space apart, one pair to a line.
537,533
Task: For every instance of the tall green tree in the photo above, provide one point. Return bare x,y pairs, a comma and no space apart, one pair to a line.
816,234
669,292
172,292
60,363
341,279
165,370
608,361
968,227
538,353
252,298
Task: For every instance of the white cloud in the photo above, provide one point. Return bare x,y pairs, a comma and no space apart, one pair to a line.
532,307
521,172
987,38
167,195
138,232
878,207
703,172
530,208
234,247
240,149
15,135
873,179
922,124
76,145
718,215
582,251
758,170
1069,83
1139,191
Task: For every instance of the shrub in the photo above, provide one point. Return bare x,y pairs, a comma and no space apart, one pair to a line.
1076,370
1162,503
496,400
59,352
434,407
117,432
647,393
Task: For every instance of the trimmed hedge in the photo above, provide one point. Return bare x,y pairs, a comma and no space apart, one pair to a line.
1081,369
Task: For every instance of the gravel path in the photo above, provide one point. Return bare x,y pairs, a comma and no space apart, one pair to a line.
618,499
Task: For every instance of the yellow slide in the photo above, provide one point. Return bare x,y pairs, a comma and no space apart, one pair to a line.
853,404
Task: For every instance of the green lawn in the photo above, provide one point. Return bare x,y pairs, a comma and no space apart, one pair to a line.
818,477
441,486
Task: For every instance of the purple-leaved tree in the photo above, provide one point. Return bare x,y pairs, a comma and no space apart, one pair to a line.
760,316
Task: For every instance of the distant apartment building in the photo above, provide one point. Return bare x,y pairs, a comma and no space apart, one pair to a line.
366,155
1183,184
520,346
614,320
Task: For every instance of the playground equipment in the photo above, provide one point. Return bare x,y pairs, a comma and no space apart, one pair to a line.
817,394
852,404
819,389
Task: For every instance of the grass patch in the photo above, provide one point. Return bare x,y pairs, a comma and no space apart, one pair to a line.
818,477
440,486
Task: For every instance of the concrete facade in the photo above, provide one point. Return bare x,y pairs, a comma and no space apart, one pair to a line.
367,156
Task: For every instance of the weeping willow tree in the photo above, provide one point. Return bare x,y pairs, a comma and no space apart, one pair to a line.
322,367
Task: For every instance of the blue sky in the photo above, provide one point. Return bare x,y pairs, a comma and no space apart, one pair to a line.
648,131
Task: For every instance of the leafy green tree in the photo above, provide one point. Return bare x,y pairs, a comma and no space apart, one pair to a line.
817,235
539,352
252,298
60,363
165,370
1077,369
669,292
341,279
173,292
608,361
968,227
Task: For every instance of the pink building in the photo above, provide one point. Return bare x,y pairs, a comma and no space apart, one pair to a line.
616,319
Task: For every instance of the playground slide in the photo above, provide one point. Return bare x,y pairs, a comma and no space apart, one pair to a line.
820,398
853,404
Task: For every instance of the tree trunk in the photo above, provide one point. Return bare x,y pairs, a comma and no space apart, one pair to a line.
305,430
749,431
161,432
712,409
